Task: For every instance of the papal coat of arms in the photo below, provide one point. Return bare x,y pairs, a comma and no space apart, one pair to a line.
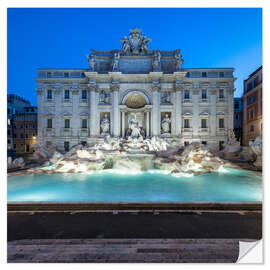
136,43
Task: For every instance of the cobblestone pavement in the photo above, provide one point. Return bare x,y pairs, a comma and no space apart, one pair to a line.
124,250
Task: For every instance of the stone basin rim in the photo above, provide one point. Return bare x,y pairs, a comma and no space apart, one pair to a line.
132,206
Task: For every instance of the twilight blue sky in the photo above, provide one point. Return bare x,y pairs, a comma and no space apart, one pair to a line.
60,38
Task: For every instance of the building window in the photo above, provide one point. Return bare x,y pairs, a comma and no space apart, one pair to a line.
49,94
203,123
66,94
84,94
186,143
186,94
49,123
8,111
237,116
221,123
251,99
236,105
22,118
26,136
204,142
32,109
14,145
66,146
8,141
204,94
251,128
8,133
221,74
27,109
251,114
67,123
204,74
27,148
186,123
221,93
84,123
49,75
66,75
21,135
14,135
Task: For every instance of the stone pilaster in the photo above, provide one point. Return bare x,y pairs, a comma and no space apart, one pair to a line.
213,112
75,121
147,123
40,94
57,120
195,119
178,110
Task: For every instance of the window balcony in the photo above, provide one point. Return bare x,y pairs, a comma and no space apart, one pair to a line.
84,132
204,130
66,132
222,131
83,100
204,100
221,100
187,130
48,132
187,100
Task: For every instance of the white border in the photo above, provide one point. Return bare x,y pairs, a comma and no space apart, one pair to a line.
110,3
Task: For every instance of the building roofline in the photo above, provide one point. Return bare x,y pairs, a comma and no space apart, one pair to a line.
254,72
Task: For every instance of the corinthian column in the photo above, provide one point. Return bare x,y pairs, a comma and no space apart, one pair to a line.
93,110
178,110
115,128
156,107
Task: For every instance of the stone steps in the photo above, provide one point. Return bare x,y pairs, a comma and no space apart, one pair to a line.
125,250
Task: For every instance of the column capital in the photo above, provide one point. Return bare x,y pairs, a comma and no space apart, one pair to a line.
92,87
155,86
114,86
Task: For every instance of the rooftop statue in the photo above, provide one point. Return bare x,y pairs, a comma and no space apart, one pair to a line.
136,43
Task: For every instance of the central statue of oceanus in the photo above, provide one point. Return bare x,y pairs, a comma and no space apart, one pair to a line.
136,43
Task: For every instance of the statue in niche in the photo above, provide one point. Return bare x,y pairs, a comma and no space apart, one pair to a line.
105,125
134,131
104,97
92,62
115,66
156,61
165,124
165,98
179,61
231,137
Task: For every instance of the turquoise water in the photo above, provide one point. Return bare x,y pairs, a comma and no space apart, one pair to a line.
231,186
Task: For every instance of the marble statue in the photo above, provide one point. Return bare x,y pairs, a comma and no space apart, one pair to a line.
104,98
105,125
116,62
165,98
134,127
145,42
156,62
165,124
179,61
92,61
125,45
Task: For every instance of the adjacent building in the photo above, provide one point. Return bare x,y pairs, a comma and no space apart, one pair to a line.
25,130
252,107
15,104
237,120
135,91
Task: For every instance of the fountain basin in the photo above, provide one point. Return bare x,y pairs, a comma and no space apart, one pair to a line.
113,186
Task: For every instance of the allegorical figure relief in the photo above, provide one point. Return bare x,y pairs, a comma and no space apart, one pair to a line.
105,125
104,97
165,124
165,97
